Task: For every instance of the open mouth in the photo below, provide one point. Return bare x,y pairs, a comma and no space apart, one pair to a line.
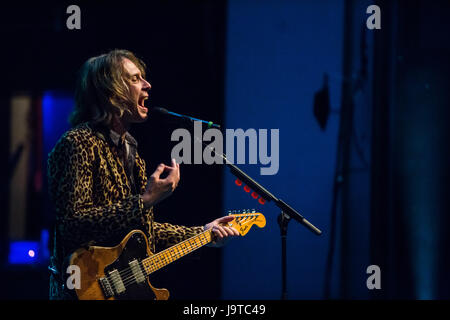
141,103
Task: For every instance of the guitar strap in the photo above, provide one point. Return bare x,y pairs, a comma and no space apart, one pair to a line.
58,289
55,265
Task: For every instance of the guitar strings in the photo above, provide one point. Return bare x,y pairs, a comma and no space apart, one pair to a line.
127,273
128,277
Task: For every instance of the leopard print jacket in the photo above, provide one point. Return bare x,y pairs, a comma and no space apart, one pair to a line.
93,200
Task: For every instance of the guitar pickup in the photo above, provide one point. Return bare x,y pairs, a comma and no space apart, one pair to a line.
116,279
137,271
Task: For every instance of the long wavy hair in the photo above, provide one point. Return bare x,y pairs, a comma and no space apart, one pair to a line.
102,91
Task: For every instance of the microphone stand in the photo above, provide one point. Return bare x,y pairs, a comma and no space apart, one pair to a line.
286,211
286,214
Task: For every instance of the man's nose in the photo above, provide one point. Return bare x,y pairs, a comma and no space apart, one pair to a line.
146,85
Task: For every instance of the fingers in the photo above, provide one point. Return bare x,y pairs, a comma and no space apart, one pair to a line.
159,170
222,232
225,219
158,189
218,232
176,167
235,232
174,172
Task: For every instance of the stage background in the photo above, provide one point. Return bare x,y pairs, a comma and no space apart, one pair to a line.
374,177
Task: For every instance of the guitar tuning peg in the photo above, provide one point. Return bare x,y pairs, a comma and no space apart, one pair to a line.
229,212
253,210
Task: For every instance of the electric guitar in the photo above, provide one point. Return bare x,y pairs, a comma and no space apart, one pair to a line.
121,272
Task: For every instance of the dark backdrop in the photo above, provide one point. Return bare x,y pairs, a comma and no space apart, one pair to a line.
183,47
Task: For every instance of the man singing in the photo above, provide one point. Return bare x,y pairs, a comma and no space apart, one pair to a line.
97,181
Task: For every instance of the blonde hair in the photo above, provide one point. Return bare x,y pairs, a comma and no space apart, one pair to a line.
101,91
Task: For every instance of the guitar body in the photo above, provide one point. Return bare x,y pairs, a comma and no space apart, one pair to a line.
110,273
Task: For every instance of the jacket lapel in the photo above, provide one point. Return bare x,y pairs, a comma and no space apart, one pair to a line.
140,174
115,167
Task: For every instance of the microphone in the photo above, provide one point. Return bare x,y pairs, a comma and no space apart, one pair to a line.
184,118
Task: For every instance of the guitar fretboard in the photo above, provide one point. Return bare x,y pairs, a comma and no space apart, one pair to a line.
163,258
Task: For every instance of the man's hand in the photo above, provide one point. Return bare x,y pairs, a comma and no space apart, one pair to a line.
222,232
158,189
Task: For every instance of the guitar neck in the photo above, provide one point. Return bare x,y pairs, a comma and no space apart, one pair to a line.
163,258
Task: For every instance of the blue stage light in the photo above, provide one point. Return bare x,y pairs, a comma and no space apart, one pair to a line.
23,252
56,108
29,252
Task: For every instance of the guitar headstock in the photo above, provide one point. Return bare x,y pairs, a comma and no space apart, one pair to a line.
245,219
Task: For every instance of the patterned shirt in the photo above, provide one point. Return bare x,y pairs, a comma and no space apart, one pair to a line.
98,197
